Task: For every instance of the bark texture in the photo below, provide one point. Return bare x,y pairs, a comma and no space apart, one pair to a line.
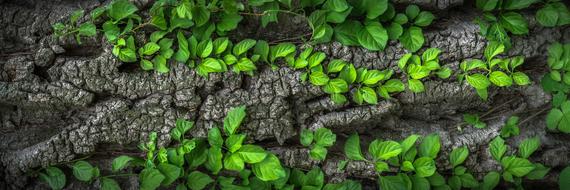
60,100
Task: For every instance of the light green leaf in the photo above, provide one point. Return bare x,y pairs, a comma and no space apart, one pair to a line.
233,162
430,146
318,153
245,65
458,156
215,137
149,49
269,169
205,48
514,22
424,166
228,22
324,137
369,95
262,49
252,154
335,86
538,173
170,172
528,146
373,36
87,29
424,19
200,15
54,177
519,167
478,81
497,148
318,78
220,45
234,142
394,85
243,46
500,78
521,78
412,38
491,180
338,98
384,150
493,49
398,182
281,50
316,59
214,160
159,63
430,54
395,30
233,119
120,162
444,73
348,74
469,181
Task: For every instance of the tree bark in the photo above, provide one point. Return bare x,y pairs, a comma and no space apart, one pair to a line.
60,100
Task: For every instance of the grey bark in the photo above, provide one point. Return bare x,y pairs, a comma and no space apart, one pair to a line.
60,100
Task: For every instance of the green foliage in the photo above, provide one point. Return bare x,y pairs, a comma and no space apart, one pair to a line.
510,128
497,71
322,138
54,177
564,178
557,82
474,120
74,27
417,68
553,13
497,26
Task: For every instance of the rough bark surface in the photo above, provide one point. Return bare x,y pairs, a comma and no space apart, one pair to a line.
60,101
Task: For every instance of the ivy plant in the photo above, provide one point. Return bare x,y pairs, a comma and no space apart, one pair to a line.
557,82
73,27
474,120
460,176
417,68
480,74
510,128
500,18
318,141
553,13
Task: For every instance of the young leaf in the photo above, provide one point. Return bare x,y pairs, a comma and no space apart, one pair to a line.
369,95
424,166
416,85
412,38
120,162
269,169
205,48
281,50
352,148
233,119
497,148
87,29
538,173
262,49
519,167
243,46
478,81
318,153
521,78
149,49
458,156
214,160
306,137
234,142
324,137
336,86
424,19
500,78
319,78
252,154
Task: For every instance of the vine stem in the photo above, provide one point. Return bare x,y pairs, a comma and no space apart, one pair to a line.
533,115
496,107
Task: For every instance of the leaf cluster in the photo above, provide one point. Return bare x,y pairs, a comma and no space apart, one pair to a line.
417,68
318,141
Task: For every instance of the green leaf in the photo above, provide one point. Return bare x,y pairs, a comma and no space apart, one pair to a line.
491,180
416,85
120,162
394,85
165,47
436,179
519,167
150,178
458,156
384,150
315,178
233,162
83,171
335,86
493,49
514,22
200,15
369,95
381,166
430,54
469,181
478,81
430,146
336,5
228,22
338,98
318,78
564,178
348,74
245,65
262,49
372,77
336,65
157,17
528,146
281,50
401,18
352,148
547,16
404,61
87,29
500,78
252,154
424,166
269,169
521,78
420,183
215,137
324,137
272,9
170,172
373,36
316,59
538,173
412,11
198,180
306,137
120,9
54,177
156,36
559,118
517,4
395,30
344,34
487,5
444,73
214,160
109,184
234,142
424,19
398,182
149,49
233,119
412,38
497,148
205,48
374,8
159,63
243,46
318,153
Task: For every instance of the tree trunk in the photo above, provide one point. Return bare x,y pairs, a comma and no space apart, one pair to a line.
60,100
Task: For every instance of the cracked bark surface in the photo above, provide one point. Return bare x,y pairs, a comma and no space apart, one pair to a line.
60,101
